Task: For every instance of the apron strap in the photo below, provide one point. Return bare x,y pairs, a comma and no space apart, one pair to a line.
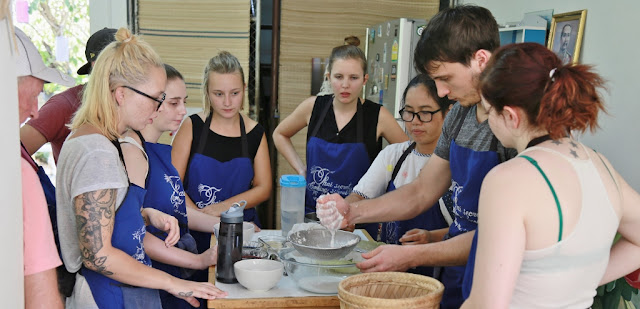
359,121
494,141
117,144
323,113
463,116
396,169
204,133
243,139
144,149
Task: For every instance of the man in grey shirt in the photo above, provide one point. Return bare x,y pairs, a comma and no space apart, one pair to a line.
454,49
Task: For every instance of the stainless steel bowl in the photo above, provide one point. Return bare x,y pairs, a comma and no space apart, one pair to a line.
318,244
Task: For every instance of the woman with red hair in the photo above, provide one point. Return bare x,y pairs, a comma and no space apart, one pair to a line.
549,216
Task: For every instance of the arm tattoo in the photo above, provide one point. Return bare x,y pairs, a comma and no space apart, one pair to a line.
185,294
95,212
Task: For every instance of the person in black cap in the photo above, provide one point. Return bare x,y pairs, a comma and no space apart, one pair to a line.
56,113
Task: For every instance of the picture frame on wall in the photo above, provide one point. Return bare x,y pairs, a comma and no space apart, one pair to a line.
565,35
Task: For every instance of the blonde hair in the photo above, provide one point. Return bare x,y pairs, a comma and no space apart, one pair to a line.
126,61
223,63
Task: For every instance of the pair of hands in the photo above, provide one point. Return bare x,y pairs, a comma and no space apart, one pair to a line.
217,208
163,222
395,257
184,289
333,211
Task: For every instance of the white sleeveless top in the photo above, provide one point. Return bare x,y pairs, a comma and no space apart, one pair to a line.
566,274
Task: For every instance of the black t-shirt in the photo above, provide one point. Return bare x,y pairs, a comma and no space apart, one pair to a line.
329,128
224,148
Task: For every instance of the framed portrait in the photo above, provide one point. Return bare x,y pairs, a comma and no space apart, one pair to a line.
565,36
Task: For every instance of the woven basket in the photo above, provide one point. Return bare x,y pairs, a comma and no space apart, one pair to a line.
389,290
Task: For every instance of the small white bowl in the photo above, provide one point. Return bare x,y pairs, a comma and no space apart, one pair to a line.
258,275
248,229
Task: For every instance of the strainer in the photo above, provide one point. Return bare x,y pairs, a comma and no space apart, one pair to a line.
316,244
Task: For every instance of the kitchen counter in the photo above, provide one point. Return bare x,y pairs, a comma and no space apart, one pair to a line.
284,295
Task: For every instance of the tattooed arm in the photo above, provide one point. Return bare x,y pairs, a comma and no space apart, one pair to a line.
95,215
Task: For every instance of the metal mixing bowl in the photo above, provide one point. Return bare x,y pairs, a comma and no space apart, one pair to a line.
317,244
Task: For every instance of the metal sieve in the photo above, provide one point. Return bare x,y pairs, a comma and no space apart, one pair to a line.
316,244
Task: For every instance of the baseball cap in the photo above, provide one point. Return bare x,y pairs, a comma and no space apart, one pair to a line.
29,62
95,44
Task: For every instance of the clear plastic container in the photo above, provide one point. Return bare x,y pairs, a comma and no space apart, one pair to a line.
292,189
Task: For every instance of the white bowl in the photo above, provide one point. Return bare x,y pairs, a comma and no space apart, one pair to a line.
248,229
258,275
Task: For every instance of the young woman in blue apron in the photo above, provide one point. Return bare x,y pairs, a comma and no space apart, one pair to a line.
344,134
423,113
165,191
104,230
220,154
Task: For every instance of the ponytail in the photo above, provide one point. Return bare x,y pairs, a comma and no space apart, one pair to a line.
571,101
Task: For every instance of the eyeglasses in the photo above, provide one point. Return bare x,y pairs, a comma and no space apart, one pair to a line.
423,116
159,100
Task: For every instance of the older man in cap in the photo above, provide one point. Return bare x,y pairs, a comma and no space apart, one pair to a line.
56,113
40,254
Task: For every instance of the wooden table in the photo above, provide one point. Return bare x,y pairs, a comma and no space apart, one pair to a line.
258,302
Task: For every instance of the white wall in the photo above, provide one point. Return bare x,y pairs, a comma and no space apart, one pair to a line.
610,44
111,14
11,266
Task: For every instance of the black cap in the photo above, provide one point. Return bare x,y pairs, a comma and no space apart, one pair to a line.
95,44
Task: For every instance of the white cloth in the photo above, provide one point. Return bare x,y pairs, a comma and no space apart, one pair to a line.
566,274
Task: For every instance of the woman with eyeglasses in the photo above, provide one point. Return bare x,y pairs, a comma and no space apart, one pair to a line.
165,192
100,189
344,134
398,164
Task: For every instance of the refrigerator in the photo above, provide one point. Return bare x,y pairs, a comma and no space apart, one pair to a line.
389,50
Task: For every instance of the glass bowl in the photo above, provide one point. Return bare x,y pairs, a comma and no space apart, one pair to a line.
254,250
319,276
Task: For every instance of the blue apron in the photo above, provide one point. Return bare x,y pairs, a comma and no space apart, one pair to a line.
165,193
432,219
128,236
210,181
332,167
468,169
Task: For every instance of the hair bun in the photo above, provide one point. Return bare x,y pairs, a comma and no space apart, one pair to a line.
124,35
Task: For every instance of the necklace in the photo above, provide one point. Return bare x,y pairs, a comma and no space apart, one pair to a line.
538,140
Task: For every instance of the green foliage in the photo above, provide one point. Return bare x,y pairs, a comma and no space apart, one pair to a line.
616,294
49,19
42,157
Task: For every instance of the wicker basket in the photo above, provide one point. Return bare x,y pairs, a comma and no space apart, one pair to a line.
389,290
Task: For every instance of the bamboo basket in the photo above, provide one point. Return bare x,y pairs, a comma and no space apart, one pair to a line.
389,290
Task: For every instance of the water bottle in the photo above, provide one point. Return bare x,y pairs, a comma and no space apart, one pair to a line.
230,242
292,189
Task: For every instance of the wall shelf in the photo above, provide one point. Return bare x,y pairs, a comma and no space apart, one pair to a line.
521,34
